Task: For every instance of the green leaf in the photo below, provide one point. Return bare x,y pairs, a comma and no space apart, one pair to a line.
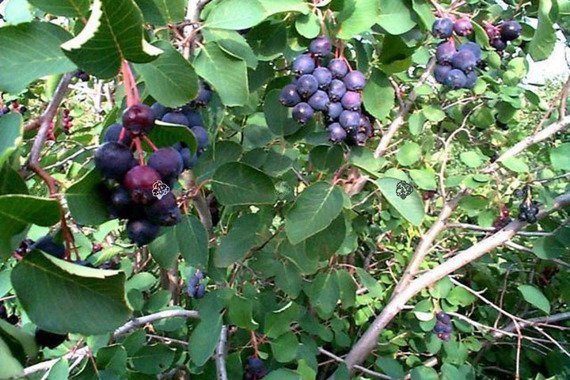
409,154
170,79
114,32
163,12
232,14
153,359
378,95
358,17
460,296
390,367
217,155
232,43
241,313
544,39
10,133
226,73
272,7
535,297
425,178
18,11
315,209
560,157
516,165
85,200
411,208
364,159
548,248
237,243
277,322
82,300
193,241
370,283
285,347
325,244
204,339
11,367
424,373
17,211
424,12
235,183
433,113
471,159
165,135
164,249
10,180
308,25
112,359
282,374
395,17
31,51
21,344
68,8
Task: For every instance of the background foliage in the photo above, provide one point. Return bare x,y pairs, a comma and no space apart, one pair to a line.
302,241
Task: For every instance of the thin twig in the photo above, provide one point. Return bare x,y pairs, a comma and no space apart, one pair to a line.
221,371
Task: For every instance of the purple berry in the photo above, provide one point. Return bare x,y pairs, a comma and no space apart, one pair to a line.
463,27
473,48
510,30
455,79
439,327
289,96
204,95
445,52
471,79
321,46
142,232
338,68
323,76
194,118
366,126
351,101
176,118
336,133
337,89
354,81
361,138
443,317
307,85
444,336
442,28
303,64
498,44
302,113
349,120
334,110
464,60
440,72
202,137
492,31
319,101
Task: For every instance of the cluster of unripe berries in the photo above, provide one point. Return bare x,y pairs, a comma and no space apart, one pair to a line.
254,369
455,66
196,288
16,107
503,219
501,34
443,327
66,122
528,209
333,89
136,190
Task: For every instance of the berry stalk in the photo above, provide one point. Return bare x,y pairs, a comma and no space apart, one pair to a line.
131,89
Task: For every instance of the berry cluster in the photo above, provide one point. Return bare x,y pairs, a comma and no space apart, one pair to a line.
49,339
196,289
443,327
528,209
16,107
500,35
191,118
334,89
254,369
503,219
455,67
67,121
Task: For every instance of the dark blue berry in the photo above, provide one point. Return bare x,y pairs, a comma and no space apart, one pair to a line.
354,81
445,52
303,64
463,27
442,28
323,76
302,113
289,96
455,79
338,68
349,120
510,30
440,72
202,137
464,60
351,101
336,133
307,85
320,46
176,118
334,109
319,101
337,89
142,232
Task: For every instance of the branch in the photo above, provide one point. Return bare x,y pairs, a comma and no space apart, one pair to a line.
473,227
121,331
193,16
336,358
527,142
403,112
222,373
532,322
369,339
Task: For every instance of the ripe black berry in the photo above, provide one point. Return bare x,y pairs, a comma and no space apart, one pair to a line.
338,68
139,182
289,96
351,101
167,162
349,120
49,339
464,60
442,28
176,118
307,85
138,119
164,212
354,81
142,231
113,132
302,113
113,160
49,246
323,76
319,101
455,79
337,89
320,46
445,52
303,64
510,30
336,133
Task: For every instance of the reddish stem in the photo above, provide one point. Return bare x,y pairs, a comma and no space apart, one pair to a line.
122,134
137,142
254,344
131,89
149,142
347,63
